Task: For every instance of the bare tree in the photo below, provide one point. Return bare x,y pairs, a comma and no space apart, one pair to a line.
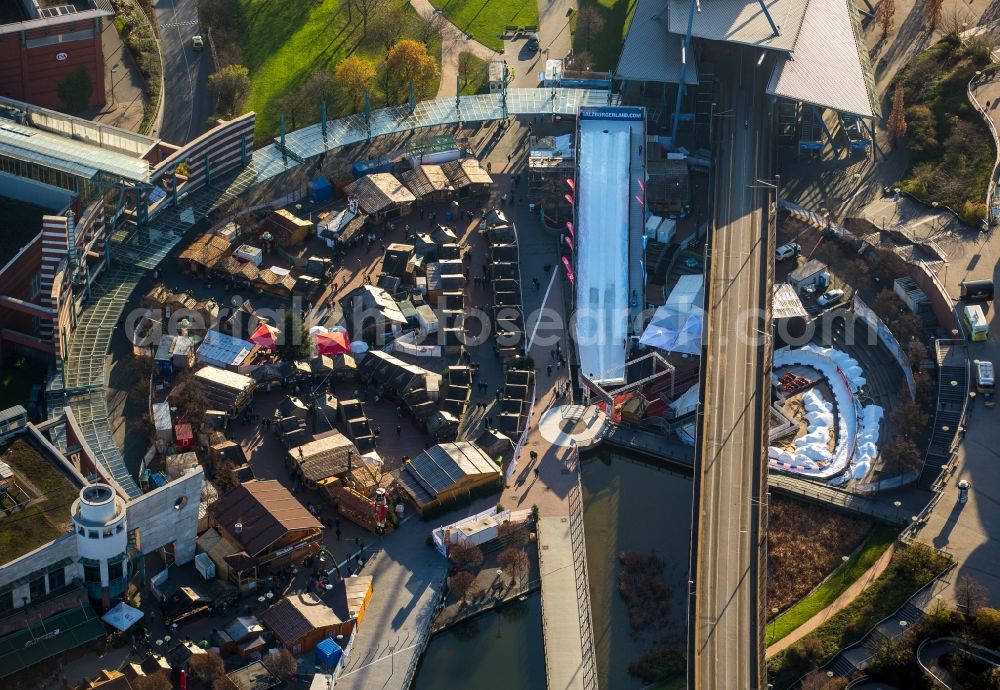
513,533
367,8
465,556
207,667
224,683
460,582
932,13
281,663
970,594
818,680
902,453
154,681
896,127
514,561
387,24
885,16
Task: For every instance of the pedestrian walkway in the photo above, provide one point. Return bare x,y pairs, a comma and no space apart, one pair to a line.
454,42
845,598
564,658
408,580
124,86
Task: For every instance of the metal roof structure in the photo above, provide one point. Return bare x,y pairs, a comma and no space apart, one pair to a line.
651,52
824,61
741,21
71,156
310,141
440,467
786,303
830,66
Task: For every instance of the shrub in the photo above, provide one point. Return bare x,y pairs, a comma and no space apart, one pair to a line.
644,591
659,664
987,626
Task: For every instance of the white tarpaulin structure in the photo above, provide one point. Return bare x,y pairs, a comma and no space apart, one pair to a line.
676,326
122,616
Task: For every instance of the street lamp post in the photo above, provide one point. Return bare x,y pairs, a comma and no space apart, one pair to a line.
898,505
113,69
774,622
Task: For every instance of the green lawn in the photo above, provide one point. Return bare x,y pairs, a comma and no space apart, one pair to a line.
833,586
911,568
478,78
603,43
283,43
485,20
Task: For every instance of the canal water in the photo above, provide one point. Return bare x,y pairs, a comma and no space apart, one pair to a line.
632,505
499,649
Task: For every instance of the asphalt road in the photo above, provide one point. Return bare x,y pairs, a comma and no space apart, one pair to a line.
187,103
725,643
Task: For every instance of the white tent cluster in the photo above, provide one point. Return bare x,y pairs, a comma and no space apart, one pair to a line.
857,426
677,325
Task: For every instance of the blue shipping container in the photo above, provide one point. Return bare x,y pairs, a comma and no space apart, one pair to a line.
320,189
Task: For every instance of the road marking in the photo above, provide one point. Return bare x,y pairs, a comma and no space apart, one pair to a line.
545,299
172,25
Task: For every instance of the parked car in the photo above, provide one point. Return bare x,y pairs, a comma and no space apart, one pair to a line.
787,251
197,42
533,43
829,297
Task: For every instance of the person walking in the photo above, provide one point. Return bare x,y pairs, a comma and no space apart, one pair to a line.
548,370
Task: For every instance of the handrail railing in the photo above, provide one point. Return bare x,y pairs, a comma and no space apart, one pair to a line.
579,547
861,640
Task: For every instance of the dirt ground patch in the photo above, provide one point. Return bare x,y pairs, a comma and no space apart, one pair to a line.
806,543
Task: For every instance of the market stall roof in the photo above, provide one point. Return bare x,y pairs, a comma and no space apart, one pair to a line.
297,615
466,172
266,336
265,509
325,457
442,466
426,179
206,250
379,191
332,343
222,350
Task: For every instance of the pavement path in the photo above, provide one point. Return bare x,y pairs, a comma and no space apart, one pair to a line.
124,85
845,598
454,42
409,576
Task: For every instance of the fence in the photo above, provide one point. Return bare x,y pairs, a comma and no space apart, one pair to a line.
891,617
438,534
579,546
421,644
992,210
888,340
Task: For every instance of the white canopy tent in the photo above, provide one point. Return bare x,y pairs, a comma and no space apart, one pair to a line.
676,326
122,616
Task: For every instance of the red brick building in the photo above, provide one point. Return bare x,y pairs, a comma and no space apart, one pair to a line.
43,41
